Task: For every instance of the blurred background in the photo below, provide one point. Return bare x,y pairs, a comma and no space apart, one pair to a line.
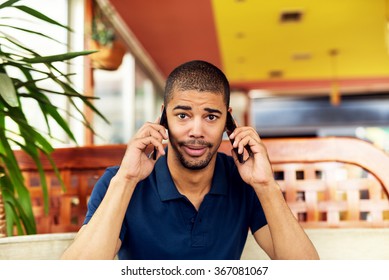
296,68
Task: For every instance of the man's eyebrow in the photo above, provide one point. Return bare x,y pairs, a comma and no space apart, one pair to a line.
188,108
211,110
181,107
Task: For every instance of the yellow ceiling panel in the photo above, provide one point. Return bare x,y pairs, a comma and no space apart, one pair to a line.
254,42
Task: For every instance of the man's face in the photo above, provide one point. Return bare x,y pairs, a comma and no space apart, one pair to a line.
196,125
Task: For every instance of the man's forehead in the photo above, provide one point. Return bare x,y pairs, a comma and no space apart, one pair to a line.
197,97
183,94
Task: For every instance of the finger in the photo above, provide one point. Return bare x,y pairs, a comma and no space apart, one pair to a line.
146,141
163,131
158,134
252,146
247,140
242,129
160,129
243,134
152,129
247,143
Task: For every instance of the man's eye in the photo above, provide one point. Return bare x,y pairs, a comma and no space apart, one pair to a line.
181,116
212,117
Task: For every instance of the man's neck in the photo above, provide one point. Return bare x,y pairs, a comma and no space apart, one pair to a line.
194,184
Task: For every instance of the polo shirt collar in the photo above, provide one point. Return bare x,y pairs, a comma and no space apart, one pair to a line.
168,191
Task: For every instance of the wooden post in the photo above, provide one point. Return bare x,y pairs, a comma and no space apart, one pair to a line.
88,71
3,231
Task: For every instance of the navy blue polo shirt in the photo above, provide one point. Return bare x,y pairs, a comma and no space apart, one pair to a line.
161,223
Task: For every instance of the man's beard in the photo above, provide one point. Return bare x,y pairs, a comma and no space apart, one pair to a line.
192,164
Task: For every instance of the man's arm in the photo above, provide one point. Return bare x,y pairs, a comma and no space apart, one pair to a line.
99,239
283,237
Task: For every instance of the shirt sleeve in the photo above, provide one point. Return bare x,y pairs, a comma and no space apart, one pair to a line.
98,193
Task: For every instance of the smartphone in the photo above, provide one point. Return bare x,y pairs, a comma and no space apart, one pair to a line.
230,127
163,121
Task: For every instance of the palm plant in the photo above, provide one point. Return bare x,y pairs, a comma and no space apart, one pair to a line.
33,69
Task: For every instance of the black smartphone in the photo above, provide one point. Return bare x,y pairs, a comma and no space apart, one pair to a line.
230,127
162,121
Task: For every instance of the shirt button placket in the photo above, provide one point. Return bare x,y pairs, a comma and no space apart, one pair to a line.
198,231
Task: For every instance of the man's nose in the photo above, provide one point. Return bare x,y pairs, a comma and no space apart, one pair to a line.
196,129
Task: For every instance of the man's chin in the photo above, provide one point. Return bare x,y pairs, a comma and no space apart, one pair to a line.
195,163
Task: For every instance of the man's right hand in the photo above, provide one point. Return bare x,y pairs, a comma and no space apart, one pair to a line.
136,164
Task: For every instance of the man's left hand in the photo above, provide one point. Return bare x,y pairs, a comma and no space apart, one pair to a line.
256,170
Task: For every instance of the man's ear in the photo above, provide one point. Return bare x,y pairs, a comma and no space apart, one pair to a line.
162,107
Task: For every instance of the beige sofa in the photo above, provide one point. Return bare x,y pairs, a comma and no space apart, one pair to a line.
332,244
338,244
35,247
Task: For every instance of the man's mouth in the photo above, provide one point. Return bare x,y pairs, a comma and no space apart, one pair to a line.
195,150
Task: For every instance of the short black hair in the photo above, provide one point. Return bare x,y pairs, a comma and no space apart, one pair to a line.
197,75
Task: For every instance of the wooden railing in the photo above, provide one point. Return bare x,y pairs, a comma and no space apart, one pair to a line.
80,167
333,182
327,182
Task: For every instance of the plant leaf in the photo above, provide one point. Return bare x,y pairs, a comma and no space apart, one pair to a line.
7,90
16,215
12,216
32,151
55,58
89,104
40,16
8,3
48,109
31,134
31,31
31,148
57,172
19,56
13,186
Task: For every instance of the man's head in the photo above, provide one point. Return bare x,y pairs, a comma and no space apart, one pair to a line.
197,75
196,101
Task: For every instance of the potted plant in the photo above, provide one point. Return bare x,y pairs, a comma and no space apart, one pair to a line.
110,48
14,196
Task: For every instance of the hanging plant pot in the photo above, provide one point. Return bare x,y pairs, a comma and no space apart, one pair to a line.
108,57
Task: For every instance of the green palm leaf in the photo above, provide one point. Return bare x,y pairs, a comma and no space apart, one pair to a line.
7,90
55,58
40,16
13,89
8,3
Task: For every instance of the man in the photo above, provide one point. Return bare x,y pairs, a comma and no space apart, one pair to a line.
190,202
